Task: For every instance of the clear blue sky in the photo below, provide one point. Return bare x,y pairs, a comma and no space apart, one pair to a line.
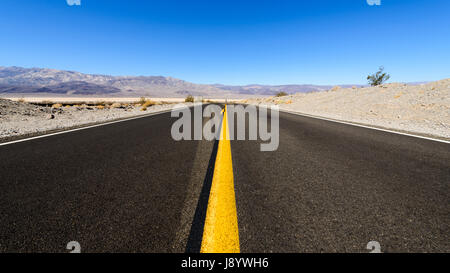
230,41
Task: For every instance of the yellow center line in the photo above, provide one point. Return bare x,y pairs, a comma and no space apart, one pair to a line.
221,234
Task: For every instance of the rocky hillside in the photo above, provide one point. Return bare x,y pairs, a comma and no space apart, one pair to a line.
270,90
18,80
65,88
50,81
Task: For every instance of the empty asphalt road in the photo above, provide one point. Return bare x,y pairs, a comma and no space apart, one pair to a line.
128,187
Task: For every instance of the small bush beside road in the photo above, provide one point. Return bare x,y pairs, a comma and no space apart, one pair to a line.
281,94
189,99
378,78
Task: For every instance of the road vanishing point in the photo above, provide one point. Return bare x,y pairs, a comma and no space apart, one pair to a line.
129,187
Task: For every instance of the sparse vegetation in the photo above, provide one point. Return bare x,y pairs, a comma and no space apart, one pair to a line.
148,103
281,94
21,100
57,105
336,88
189,98
378,78
141,101
100,107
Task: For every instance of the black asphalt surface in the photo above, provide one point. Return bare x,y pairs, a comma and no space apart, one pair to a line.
115,188
333,187
128,187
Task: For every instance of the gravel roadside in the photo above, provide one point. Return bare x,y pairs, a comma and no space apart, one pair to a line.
20,120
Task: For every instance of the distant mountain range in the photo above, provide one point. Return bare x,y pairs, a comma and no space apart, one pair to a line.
44,81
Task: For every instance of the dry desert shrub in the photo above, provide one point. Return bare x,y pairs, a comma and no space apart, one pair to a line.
148,103
189,99
281,94
100,107
141,101
57,105
21,100
336,88
378,78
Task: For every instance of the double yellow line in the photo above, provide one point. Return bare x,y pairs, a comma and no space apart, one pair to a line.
221,234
